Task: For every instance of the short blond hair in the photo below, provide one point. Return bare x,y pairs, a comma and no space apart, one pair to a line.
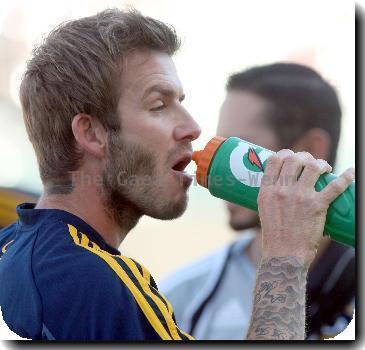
76,70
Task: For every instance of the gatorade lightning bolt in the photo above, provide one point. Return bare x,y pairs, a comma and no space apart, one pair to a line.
255,159
232,169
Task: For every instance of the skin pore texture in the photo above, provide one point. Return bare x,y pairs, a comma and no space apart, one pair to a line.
129,173
297,218
279,300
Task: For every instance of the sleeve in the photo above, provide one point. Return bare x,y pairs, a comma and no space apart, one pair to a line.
160,306
98,296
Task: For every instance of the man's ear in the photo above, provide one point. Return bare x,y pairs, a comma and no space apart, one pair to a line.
316,141
90,134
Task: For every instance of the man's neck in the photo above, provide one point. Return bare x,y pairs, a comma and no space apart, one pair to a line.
254,248
88,206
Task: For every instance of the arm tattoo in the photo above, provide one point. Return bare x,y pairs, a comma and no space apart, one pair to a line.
279,300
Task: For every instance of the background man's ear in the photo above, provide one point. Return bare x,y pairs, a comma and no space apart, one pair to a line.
90,135
316,141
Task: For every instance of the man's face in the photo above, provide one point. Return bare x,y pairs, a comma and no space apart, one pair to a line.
147,157
243,115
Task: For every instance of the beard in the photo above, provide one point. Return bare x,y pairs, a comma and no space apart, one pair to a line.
132,186
240,225
241,218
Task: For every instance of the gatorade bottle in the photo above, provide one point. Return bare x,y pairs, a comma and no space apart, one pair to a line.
232,169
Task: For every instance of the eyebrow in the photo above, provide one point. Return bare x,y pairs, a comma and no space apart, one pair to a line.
163,89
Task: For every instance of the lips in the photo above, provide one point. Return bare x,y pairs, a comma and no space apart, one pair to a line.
182,163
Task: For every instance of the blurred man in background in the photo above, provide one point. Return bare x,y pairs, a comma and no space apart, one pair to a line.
276,106
102,105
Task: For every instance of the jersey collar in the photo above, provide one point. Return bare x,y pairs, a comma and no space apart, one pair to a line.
30,216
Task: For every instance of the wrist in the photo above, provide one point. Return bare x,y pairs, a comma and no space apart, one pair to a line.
298,260
304,254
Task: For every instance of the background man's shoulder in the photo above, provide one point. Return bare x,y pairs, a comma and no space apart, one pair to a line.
192,277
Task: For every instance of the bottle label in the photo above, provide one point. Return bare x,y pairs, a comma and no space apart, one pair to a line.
247,163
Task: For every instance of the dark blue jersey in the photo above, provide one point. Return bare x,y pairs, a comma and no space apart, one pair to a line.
60,280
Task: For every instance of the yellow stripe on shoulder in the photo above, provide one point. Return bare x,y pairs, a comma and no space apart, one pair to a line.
73,232
146,288
138,296
146,274
5,247
168,316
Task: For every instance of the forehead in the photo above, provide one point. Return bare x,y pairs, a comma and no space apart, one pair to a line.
241,112
143,70
244,115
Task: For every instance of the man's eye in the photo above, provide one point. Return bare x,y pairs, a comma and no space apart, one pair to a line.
160,107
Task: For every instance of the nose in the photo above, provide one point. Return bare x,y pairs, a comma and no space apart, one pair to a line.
188,130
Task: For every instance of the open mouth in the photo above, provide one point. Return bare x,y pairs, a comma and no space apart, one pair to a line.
182,164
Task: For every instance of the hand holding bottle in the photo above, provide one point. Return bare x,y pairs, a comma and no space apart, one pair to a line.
292,212
234,169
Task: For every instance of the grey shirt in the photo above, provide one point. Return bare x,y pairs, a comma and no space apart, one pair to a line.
226,315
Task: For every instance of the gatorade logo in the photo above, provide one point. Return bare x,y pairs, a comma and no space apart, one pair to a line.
246,162
255,159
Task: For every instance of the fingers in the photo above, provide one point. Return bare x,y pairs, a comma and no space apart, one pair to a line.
274,165
313,169
293,166
337,186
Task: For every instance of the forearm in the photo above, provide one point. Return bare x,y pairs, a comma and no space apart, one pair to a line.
279,300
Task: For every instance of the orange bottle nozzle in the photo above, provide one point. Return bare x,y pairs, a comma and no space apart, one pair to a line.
204,157
196,156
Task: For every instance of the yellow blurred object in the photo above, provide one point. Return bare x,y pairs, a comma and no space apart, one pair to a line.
9,199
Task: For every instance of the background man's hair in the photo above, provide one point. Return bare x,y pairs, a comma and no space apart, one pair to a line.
77,69
299,99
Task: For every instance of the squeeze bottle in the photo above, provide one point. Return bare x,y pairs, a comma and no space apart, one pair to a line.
232,169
